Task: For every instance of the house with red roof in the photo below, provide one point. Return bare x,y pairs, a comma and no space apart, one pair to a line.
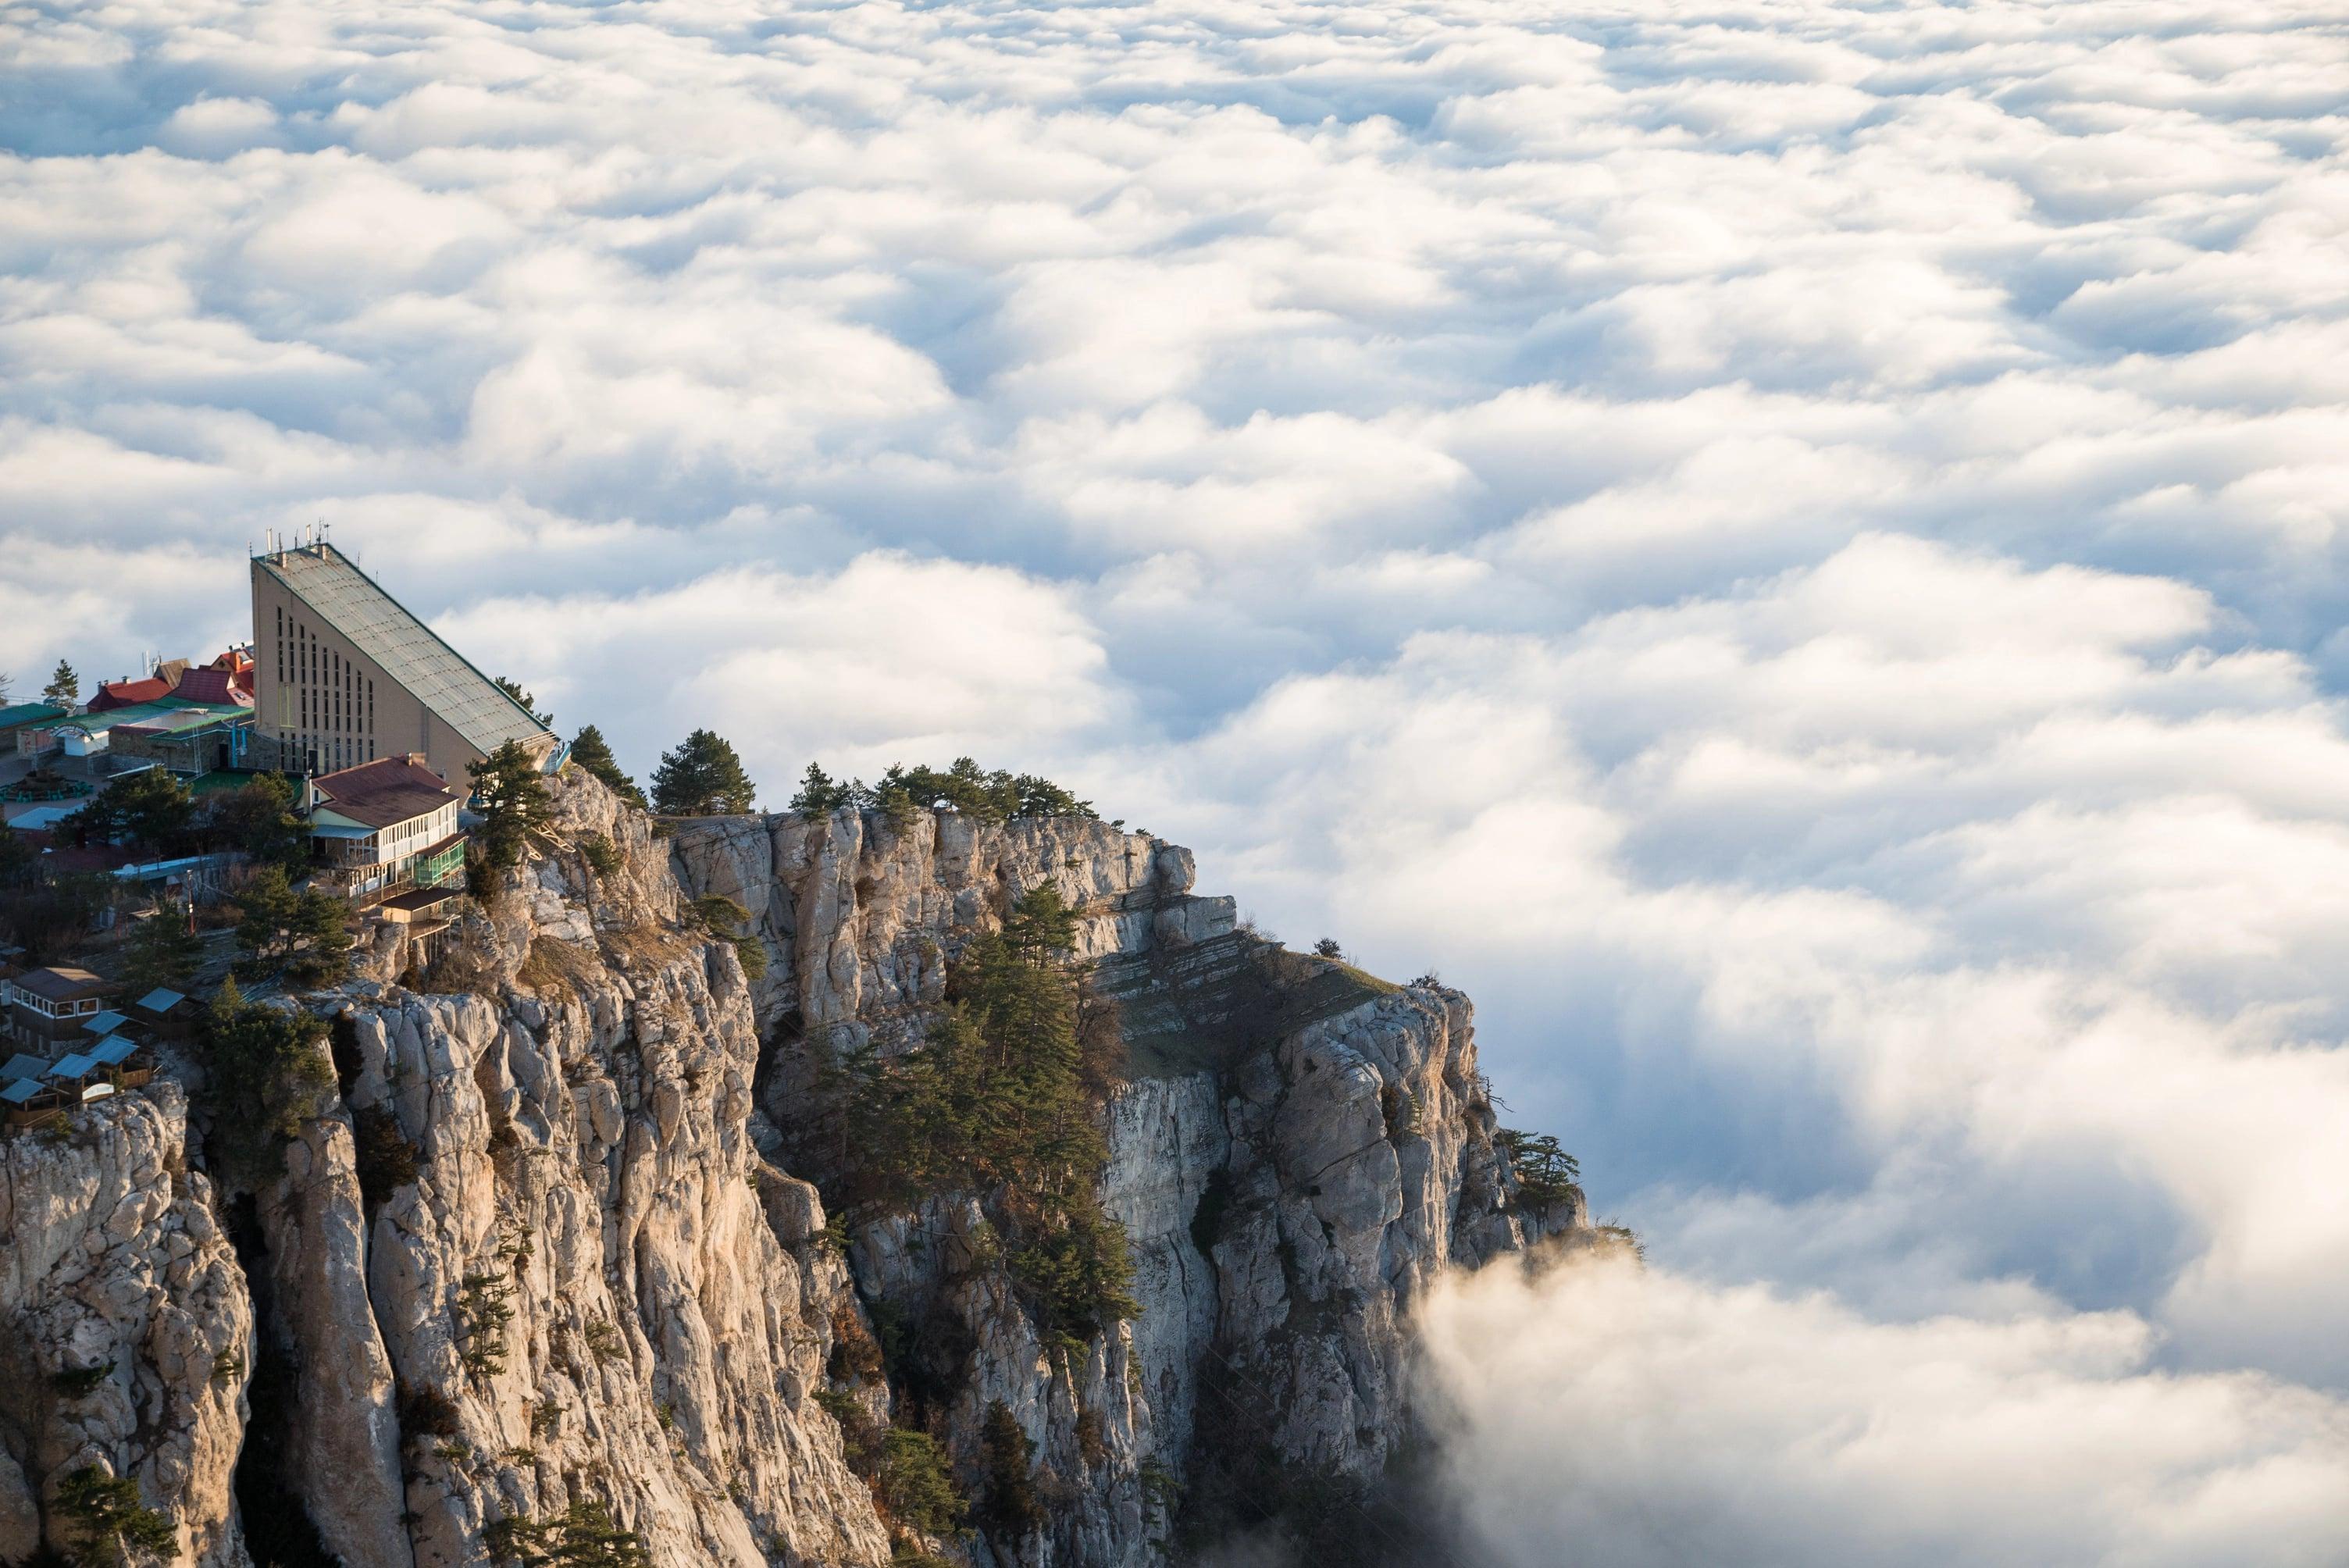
383,827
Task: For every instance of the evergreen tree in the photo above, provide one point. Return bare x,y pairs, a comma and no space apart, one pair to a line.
1546,1172
265,1072
63,690
510,795
525,701
113,1524
150,808
819,795
162,952
702,778
306,933
590,750
258,820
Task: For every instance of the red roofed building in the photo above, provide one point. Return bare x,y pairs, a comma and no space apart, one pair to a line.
128,692
384,827
213,684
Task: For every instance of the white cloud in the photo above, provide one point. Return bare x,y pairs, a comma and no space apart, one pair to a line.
1796,549
1633,1418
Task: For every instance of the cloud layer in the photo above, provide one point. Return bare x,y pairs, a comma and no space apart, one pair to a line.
1636,1418
1794,550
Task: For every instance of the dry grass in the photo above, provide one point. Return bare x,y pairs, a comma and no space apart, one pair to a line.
553,964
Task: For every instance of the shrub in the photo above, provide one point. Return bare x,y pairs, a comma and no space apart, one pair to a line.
914,1485
77,1382
1006,1456
386,1159
265,1072
112,1524
582,1536
1328,948
426,1412
603,857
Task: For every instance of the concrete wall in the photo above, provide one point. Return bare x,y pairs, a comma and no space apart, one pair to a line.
333,707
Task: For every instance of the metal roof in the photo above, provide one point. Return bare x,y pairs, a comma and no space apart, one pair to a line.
161,999
28,713
75,1065
112,1050
104,1022
20,1092
21,1066
438,677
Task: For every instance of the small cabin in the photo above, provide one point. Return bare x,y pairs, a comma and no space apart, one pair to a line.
53,1004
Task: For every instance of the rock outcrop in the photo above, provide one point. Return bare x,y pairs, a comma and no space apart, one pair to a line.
544,1255
1301,1150
128,1325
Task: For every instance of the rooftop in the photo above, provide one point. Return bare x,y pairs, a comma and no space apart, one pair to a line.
213,685
348,600
389,791
122,694
25,713
166,709
60,983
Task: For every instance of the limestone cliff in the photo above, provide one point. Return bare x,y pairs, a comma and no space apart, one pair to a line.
546,1245
1299,1151
128,1325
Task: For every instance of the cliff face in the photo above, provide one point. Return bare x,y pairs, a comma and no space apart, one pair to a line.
1299,1150
546,1245
128,1328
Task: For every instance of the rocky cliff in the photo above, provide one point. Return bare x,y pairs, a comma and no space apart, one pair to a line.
542,1265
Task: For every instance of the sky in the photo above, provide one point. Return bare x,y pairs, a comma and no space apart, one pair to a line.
1792,549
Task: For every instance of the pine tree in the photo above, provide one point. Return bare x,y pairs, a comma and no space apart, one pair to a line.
510,795
819,795
525,701
259,820
151,808
592,752
63,690
162,952
702,778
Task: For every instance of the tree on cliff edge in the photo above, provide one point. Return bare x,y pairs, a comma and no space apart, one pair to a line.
702,778
590,750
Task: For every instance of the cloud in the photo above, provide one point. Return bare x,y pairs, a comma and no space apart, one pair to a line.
1795,550
890,659
1606,1414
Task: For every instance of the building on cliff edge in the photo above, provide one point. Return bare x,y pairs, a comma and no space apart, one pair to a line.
344,675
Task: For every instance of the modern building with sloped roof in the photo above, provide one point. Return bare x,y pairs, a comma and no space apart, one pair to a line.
344,675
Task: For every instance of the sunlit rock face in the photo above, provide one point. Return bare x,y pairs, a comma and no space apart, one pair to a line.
546,1241
1299,1150
128,1327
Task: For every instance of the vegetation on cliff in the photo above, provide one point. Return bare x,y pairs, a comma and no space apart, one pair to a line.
963,785
1002,1097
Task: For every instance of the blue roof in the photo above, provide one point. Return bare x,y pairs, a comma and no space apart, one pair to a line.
20,1091
112,1050
73,1067
105,1022
21,1066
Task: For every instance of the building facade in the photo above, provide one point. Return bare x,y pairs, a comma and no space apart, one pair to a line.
344,675
45,1006
383,827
